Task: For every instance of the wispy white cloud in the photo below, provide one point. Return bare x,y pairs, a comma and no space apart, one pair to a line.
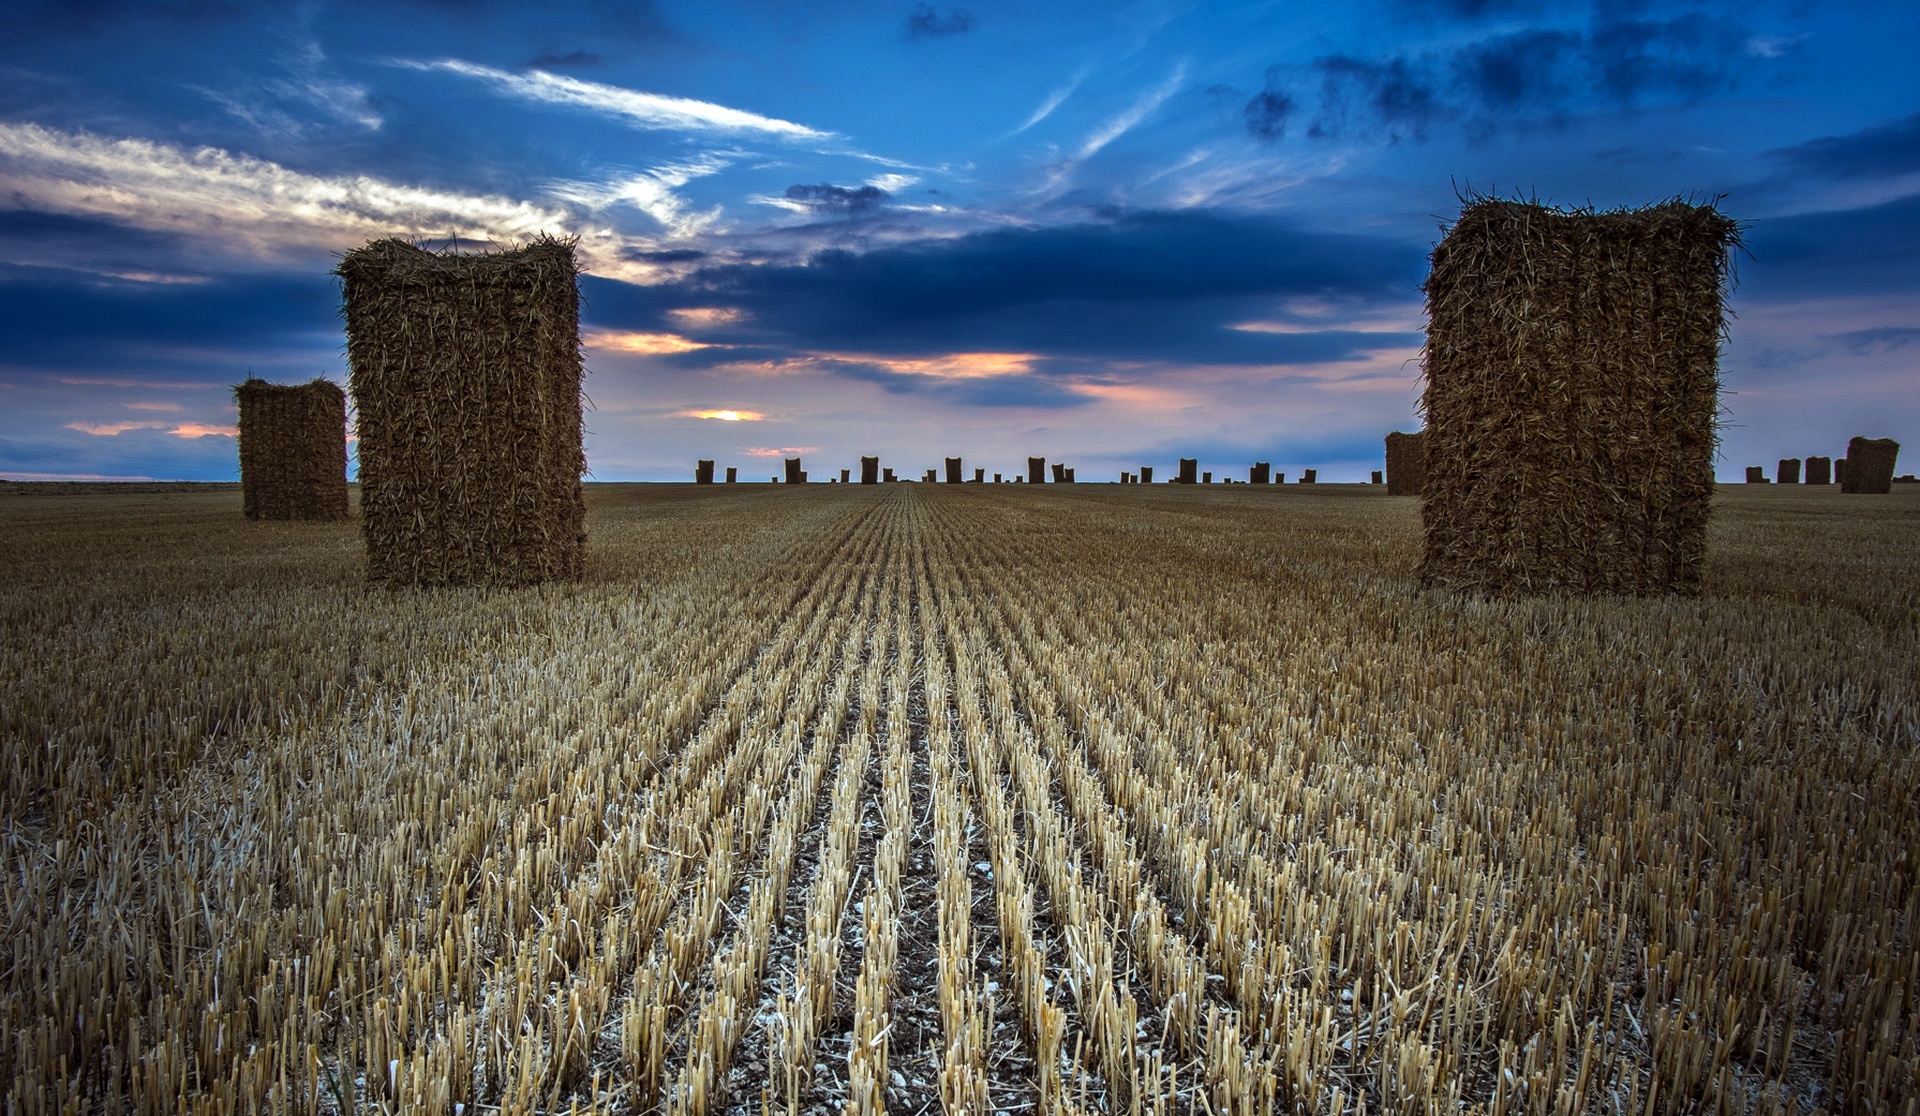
249,206
1054,100
1129,118
310,83
652,192
645,110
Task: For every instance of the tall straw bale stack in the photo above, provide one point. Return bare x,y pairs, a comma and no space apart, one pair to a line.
886,476
1309,476
1146,474
1819,470
1788,472
1069,474
1036,470
846,476
979,476
1870,463
293,450
703,472
1189,471
795,475
1279,478
1840,473
1406,463
1059,473
466,373
1206,477
1756,474
930,475
869,470
953,470
1261,473
1572,365
733,474
1376,477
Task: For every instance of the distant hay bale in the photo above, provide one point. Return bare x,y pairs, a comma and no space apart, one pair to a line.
886,476
466,374
1406,463
1310,476
733,474
1261,473
1375,477
1206,478
1572,366
869,470
1069,475
293,450
1840,473
1819,470
953,470
795,475
1870,464
996,478
930,475
1279,478
979,476
1036,470
1788,472
1756,474
1189,471
703,472
1059,473
1146,474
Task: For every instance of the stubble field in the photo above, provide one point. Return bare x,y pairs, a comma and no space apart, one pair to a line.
988,799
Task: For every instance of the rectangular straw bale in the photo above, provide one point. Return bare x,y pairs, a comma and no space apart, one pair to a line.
1376,477
1189,471
466,373
1406,463
794,473
1309,476
293,450
703,471
953,470
1840,473
1261,472
733,474
1870,463
886,475
1788,472
1756,474
1572,366
1036,470
979,476
869,470
1819,470
1146,474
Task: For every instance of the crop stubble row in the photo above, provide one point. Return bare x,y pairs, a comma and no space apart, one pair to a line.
1256,826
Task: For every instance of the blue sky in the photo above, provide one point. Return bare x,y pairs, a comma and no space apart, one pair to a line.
1110,234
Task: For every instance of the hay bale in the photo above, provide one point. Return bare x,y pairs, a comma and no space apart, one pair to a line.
1756,474
1261,473
1279,478
794,473
869,470
886,476
930,475
1206,478
1375,477
1036,470
1146,474
979,476
953,470
1819,470
733,474
1069,474
1059,473
703,472
1189,471
1870,464
1840,473
1406,463
1310,476
466,374
293,450
1788,472
1572,366
996,478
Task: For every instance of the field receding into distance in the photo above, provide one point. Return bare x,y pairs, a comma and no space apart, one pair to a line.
1009,799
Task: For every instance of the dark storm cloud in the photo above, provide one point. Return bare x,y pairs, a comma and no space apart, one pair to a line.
1514,78
66,323
838,201
1886,150
1869,251
929,22
1148,287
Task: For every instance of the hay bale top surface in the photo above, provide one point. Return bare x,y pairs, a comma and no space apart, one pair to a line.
253,387
1499,220
392,261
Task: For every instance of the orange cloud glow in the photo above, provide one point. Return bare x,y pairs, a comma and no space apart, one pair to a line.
951,366
722,416
653,344
1135,395
204,430
782,451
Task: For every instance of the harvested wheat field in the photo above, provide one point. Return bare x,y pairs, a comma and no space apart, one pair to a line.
955,798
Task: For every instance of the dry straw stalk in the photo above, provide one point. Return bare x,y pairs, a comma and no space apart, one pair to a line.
1572,385
466,373
293,450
